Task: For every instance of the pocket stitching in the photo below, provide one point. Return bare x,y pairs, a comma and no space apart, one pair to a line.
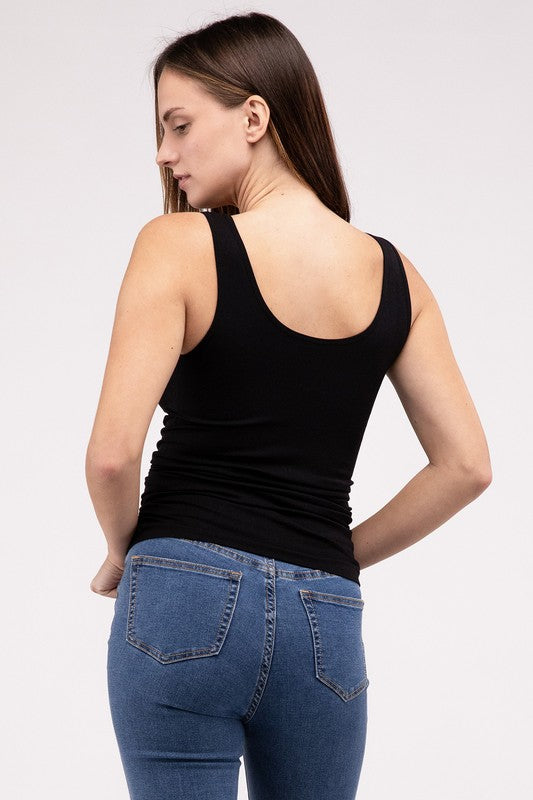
358,602
176,563
233,578
307,597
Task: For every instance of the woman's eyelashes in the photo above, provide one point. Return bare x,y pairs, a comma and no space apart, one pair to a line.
181,127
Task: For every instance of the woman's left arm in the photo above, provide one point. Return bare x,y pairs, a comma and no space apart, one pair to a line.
146,342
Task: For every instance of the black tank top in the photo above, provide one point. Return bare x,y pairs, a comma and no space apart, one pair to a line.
263,424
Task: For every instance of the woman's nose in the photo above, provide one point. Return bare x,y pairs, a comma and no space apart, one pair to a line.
163,158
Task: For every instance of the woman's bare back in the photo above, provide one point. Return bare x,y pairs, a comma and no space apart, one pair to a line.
317,274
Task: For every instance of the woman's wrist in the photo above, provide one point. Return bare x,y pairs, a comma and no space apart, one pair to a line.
116,559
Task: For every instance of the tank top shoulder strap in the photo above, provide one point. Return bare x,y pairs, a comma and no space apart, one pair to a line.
396,300
234,291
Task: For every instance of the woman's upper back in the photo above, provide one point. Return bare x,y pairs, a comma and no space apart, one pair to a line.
317,274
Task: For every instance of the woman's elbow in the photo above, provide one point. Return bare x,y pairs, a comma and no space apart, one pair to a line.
478,474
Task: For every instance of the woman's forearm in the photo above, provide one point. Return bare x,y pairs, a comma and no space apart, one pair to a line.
115,497
430,498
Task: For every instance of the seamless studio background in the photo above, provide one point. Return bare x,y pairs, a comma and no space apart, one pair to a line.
431,109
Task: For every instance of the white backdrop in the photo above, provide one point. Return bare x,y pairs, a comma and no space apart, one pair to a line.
430,104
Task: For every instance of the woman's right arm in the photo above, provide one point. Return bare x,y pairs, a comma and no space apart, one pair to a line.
438,404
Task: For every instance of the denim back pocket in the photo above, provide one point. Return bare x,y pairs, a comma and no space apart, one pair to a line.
336,630
179,610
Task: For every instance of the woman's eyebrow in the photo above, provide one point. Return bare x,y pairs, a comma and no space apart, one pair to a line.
170,111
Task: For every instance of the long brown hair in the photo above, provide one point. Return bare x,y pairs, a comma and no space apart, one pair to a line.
255,53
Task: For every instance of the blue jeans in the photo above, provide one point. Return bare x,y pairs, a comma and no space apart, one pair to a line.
216,653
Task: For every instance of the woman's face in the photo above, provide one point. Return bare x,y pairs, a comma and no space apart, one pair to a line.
203,140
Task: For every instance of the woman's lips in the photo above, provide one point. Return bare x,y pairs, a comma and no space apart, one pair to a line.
182,180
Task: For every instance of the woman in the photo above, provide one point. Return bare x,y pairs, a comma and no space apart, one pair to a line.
263,323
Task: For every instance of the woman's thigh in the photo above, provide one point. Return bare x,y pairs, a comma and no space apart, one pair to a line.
215,653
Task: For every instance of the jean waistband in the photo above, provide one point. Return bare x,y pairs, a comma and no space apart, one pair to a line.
263,563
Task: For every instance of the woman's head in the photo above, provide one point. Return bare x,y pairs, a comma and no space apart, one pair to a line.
252,119
226,152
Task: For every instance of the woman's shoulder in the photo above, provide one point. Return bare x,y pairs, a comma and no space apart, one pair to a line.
175,223
179,234
169,248
419,291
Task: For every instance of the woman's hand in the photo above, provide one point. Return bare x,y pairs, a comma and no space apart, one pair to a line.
107,578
